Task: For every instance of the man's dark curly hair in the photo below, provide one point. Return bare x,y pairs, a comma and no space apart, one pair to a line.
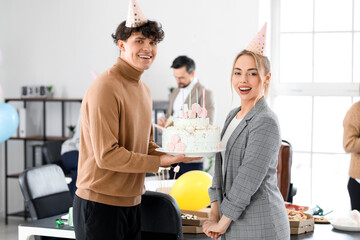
151,29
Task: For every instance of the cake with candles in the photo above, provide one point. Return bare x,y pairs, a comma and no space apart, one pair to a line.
191,132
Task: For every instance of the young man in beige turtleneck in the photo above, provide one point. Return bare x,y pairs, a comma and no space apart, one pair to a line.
116,140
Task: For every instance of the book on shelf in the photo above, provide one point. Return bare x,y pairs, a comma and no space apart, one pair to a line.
26,126
16,133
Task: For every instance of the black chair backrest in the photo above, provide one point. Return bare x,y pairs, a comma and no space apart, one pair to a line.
52,151
284,168
160,217
45,191
52,154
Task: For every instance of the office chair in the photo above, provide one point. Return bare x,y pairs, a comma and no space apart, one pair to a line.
160,217
52,154
45,191
288,191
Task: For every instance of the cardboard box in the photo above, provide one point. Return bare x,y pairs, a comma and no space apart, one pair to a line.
192,229
201,218
203,213
299,227
195,225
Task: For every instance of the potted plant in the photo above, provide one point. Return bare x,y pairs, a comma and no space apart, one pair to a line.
171,89
71,130
49,88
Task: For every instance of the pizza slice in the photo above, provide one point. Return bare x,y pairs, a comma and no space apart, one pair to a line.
294,215
291,206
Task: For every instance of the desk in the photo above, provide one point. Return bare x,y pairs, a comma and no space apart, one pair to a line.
47,227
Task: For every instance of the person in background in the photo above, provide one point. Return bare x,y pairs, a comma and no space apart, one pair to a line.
245,200
116,138
351,142
70,155
184,73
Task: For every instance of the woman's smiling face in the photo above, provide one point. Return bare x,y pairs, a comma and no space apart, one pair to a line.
247,81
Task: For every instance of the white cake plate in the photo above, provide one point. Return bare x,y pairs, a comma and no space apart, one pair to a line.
191,154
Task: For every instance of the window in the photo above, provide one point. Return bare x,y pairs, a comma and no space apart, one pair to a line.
315,81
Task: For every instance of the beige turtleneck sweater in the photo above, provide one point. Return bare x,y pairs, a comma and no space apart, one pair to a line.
352,138
116,142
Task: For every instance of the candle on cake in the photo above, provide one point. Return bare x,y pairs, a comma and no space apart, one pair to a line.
183,101
203,97
197,104
189,104
203,113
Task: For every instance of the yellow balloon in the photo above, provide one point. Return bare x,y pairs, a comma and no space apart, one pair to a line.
191,190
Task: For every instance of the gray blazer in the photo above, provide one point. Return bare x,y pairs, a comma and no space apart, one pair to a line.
249,194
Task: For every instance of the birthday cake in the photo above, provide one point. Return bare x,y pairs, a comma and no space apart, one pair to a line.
191,132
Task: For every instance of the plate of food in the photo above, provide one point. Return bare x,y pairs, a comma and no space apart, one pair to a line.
348,223
191,154
321,220
345,227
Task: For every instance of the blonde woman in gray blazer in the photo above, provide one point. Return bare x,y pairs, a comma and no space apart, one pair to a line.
245,200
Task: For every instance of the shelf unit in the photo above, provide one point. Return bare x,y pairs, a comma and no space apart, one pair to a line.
44,137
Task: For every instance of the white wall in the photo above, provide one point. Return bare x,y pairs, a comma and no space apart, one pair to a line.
58,43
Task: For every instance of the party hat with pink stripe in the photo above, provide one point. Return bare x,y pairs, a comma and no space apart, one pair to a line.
258,44
135,17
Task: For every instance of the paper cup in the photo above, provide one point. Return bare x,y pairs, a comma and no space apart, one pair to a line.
70,219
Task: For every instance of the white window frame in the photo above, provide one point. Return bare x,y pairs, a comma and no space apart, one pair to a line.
312,89
304,89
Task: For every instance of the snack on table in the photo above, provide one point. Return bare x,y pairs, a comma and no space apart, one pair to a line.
321,219
291,206
295,215
189,216
355,215
295,212
352,220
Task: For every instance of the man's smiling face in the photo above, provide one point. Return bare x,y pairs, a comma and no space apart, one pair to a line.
138,51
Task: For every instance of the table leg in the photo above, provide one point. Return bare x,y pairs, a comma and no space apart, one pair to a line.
23,233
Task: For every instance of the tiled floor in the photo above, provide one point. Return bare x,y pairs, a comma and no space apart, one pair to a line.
10,231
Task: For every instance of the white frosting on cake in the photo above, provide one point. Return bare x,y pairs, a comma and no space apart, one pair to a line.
198,123
191,135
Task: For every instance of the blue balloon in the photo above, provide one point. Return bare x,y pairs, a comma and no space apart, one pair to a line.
9,121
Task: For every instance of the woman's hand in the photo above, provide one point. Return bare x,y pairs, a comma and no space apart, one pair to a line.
221,226
206,228
214,229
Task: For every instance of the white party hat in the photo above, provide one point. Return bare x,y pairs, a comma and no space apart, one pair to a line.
135,17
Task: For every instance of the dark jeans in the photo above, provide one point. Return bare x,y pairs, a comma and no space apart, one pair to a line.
186,167
354,192
94,221
70,161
